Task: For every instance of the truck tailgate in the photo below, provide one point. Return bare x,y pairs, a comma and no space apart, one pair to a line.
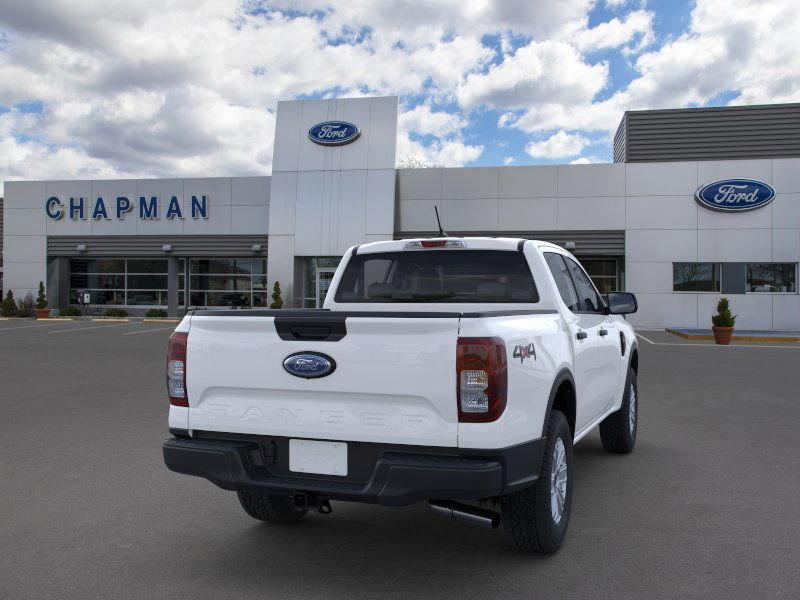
394,380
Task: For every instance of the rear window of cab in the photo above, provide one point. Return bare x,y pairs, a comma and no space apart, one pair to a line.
467,276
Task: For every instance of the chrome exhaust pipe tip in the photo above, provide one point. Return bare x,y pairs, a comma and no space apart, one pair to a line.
457,511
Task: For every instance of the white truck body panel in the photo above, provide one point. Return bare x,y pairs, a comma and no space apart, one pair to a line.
395,379
393,382
529,382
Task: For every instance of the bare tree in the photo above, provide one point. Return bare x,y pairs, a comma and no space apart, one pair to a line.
688,272
414,162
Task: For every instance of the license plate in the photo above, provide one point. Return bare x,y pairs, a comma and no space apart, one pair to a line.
321,458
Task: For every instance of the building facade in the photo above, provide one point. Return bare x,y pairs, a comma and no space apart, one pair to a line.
653,228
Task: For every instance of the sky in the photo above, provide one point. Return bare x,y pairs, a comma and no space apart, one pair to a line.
181,88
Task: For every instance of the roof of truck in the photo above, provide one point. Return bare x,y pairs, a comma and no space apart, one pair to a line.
470,243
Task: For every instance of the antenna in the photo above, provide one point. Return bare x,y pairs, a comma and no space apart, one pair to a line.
442,232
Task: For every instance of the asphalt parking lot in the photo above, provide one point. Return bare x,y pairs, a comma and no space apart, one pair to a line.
707,506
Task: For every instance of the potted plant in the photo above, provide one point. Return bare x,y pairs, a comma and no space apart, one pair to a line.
42,312
723,322
277,301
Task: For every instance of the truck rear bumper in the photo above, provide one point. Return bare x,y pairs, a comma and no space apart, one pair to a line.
395,475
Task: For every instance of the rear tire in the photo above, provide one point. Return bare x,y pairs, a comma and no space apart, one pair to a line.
536,518
271,508
618,430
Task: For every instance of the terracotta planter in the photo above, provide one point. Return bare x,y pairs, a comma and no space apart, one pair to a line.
42,313
722,335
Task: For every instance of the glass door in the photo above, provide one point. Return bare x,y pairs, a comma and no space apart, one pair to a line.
324,279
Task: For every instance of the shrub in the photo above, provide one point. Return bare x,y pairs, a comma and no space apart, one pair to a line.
277,301
8,308
156,312
41,299
71,311
724,316
25,306
116,312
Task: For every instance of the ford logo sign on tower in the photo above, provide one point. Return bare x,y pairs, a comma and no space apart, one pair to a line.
309,365
333,133
735,195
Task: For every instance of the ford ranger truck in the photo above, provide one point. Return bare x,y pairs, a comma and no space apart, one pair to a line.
456,371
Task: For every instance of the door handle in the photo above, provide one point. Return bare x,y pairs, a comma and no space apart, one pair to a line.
603,332
581,335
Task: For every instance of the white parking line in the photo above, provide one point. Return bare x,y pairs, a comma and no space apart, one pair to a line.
690,345
723,346
88,328
147,330
30,326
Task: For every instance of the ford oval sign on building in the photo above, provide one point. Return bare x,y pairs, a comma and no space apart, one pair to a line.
333,133
309,365
735,195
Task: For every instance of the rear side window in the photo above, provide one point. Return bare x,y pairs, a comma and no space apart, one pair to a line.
491,276
589,299
576,289
563,280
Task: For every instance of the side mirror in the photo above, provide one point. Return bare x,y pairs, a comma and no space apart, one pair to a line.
621,303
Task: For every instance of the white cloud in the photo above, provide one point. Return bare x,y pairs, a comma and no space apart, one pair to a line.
598,116
746,47
509,160
188,87
559,145
539,72
447,153
417,22
423,120
33,160
447,149
587,160
616,32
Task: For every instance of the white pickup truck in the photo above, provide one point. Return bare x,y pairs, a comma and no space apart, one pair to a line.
458,371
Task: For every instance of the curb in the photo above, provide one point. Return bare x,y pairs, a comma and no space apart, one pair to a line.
112,320
55,319
153,320
735,338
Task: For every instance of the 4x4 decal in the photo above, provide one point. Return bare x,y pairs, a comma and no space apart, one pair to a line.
522,352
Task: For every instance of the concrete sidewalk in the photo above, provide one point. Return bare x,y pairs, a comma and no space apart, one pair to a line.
741,335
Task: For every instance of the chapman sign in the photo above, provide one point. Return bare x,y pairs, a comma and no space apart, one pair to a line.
735,195
147,208
333,133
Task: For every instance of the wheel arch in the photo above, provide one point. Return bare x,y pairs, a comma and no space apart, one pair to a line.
633,362
562,398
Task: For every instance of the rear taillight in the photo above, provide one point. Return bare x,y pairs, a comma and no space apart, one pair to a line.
176,369
481,379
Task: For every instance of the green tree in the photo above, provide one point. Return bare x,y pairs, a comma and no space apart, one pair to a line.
41,299
277,301
724,316
8,307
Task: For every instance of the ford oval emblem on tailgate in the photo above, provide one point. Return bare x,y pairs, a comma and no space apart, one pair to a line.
309,364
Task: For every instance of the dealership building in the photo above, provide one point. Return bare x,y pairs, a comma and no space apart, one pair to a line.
699,203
